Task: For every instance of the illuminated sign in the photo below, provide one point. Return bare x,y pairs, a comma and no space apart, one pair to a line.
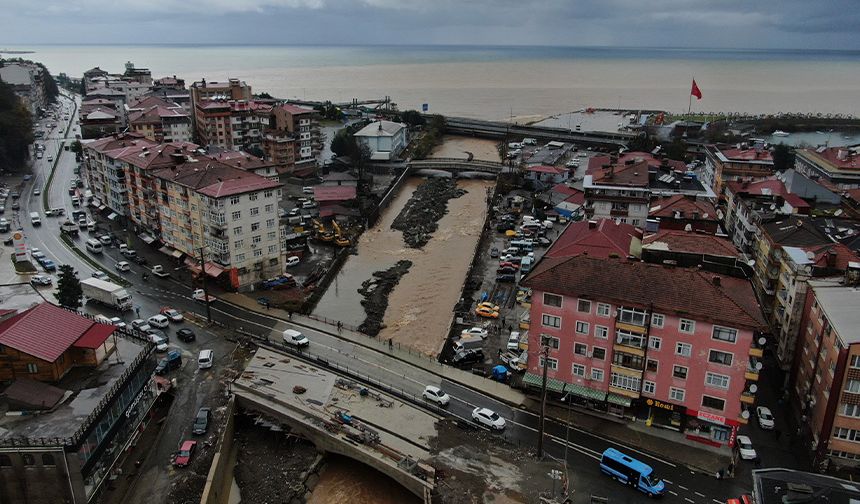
660,404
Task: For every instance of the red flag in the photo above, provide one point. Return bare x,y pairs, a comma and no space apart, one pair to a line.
696,91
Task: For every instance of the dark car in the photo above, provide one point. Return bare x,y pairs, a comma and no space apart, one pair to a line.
185,335
169,363
543,242
201,422
506,270
467,358
139,260
504,226
506,277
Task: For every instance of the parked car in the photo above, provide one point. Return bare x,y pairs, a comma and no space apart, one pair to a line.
158,321
105,240
436,395
169,363
295,338
38,280
494,252
186,451
101,275
48,265
159,342
467,358
185,335
37,254
117,322
140,325
506,277
765,417
488,418
514,341
122,267
201,422
172,314
475,331
745,448
292,261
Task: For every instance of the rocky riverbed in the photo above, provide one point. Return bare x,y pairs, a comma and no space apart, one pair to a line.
375,292
420,217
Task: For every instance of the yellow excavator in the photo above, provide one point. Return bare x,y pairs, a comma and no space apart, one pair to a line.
322,233
340,239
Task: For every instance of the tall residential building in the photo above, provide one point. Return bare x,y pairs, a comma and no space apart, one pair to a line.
839,167
826,373
675,345
27,83
303,125
740,163
750,203
105,170
159,120
621,192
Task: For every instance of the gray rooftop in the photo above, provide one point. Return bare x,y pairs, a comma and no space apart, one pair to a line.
839,304
778,486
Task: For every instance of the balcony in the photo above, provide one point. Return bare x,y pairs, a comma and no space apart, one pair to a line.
753,369
747,397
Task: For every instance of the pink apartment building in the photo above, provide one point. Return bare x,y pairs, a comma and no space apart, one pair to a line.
674,346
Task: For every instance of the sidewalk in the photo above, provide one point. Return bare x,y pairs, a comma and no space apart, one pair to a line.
663,443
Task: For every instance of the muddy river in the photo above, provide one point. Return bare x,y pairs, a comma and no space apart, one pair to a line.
420,307
347,481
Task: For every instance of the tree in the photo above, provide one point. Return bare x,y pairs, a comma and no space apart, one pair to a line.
344,144
69,292
783,157
412,118
676,150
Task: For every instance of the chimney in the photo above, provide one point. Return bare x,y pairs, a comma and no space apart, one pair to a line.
716,280
831,259
592,224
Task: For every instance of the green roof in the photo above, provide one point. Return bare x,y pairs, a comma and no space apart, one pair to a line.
586,392
537,381
618,399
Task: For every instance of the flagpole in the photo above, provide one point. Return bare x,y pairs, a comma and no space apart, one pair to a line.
690,105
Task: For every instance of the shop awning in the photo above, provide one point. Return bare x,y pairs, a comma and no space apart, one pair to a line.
582,391
213,270
96,202
112,216
537,381
146,238
618,399
177,253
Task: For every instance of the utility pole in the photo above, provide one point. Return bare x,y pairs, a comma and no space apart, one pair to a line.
545,354
205,290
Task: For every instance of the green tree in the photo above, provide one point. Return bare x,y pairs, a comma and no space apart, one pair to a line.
676,150
69,292
783,157
412,118
76,147
343,143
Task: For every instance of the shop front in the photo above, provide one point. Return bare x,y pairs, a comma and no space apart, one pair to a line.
665,414
710,428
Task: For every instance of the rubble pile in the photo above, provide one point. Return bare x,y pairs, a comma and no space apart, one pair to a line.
375,292
420,217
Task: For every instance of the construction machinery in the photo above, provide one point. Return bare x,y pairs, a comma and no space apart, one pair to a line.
340,239
322,233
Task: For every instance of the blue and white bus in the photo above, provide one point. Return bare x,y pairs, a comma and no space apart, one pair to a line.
631,472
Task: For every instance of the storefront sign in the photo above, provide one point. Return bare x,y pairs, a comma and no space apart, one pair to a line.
19,246
660,404
135,402
733,437
710,417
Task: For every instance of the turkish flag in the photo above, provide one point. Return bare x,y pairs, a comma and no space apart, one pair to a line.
695,91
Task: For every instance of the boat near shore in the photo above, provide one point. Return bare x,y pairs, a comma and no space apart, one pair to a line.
780,133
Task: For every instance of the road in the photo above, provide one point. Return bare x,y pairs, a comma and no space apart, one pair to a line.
584,448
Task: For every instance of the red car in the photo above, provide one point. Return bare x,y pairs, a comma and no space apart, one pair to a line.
508,264
743,499
183,457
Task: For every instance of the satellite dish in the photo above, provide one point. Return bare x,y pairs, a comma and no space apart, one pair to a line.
837,213
810,255
751,263
758,366
773,207
753,388
745,414
762,340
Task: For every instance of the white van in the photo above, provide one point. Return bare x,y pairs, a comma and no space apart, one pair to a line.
94,246
91,226
204,359
35,219
295,338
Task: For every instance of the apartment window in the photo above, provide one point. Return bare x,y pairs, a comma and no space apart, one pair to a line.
270,208
550,341
632,316
657,320
683,349
48,460
270,223
236,215
238,244
687,326
649,387
630,339
550,321
677,394
580,349
603,309
625,382
582,327
256,239
252,196
28,459
583,306
725,334
553,363
679,372
847,434
853,386
270,235
234,200
855,361
627,360
255,211
652,365
551,300
240,257
267,194
273,249
717,380
851,410
601,332
597,374
719,357
577,370
713,403
255,226
654,342
258,252
32,368
598,353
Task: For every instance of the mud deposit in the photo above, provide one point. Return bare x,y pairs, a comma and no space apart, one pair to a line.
375,292
420,217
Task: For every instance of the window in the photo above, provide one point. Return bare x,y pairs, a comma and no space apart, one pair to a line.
32,368
583,306
677,394
234,200
654,342
255,226
597,374
252,197
256,239
270,223
237,231
719,357
258,252
630,339
270,235
852,410
5,461
717,380
270,208
553,363
713,403
679,372
236,215
632,316
627,360
846,434
725,334
687,326
657,320
625,382
601,332
577,370
580,349
48,459
551,321
683,349
550,341
255,211
28,459
855,361
240,257
238,244
853,386
551,300
582,327
267,194
273,249
652,365
603,309
648,387
598,353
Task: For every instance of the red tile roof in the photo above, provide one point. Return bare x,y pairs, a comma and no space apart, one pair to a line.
634,174
843,255
95,336
604,238
547,169
689,291
747,154
46,331
831,156
767,187
689,242
213,178
295,109
666,207
596,163
563,188
334,193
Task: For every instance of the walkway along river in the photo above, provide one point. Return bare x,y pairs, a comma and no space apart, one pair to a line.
420,306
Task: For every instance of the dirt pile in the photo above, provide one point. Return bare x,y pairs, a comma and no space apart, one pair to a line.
375,292
420,217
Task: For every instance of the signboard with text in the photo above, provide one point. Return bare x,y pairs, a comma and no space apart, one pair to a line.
19,246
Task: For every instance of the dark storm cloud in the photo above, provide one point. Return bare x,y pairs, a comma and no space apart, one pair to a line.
702,23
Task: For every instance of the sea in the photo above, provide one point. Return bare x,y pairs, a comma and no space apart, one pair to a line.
497,82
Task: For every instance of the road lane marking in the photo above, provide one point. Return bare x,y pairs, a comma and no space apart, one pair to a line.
700,495
715,500
673,493
682,487
667,481
691,501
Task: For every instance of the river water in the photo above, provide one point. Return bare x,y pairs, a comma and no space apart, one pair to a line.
420,306
347,481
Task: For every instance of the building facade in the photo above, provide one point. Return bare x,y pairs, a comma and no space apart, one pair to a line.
621,193
837,166
385,139
741,163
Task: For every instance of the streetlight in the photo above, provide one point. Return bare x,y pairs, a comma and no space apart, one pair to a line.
544,353
569,400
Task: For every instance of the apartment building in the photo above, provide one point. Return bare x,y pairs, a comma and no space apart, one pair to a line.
750,203
839,167
673,345
106,171
826,373
303,125
739,163
27,82
244,161
385,139
248,120
279,147
159,120
232,214
210,104
621,192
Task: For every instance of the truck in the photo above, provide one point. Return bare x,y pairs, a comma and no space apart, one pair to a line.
159,271
107,293
200,295
69,228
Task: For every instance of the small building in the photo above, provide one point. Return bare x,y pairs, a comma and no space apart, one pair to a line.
839,166
602,238
742,162
786,486
689,248
680,211
334,195
339,179
545,176
567,201
385,139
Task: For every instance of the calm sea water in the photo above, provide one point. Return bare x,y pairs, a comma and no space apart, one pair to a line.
497,82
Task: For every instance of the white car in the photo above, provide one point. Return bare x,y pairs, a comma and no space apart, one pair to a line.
101,275
160,343
745,447
514,341
37,191
488,418
295,338
765,417
173,315
122,267
436,395
292,261
117,322
475,331
159,321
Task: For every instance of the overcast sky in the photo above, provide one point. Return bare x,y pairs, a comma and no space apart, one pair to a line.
789,24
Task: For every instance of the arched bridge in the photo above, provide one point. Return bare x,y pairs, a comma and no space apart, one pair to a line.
457,165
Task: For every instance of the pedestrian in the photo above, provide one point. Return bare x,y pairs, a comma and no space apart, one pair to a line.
137,311
390,344
290,315
731,468
339,325
267,305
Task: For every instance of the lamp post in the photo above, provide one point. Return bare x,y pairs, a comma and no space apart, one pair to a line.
544,352
567,399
